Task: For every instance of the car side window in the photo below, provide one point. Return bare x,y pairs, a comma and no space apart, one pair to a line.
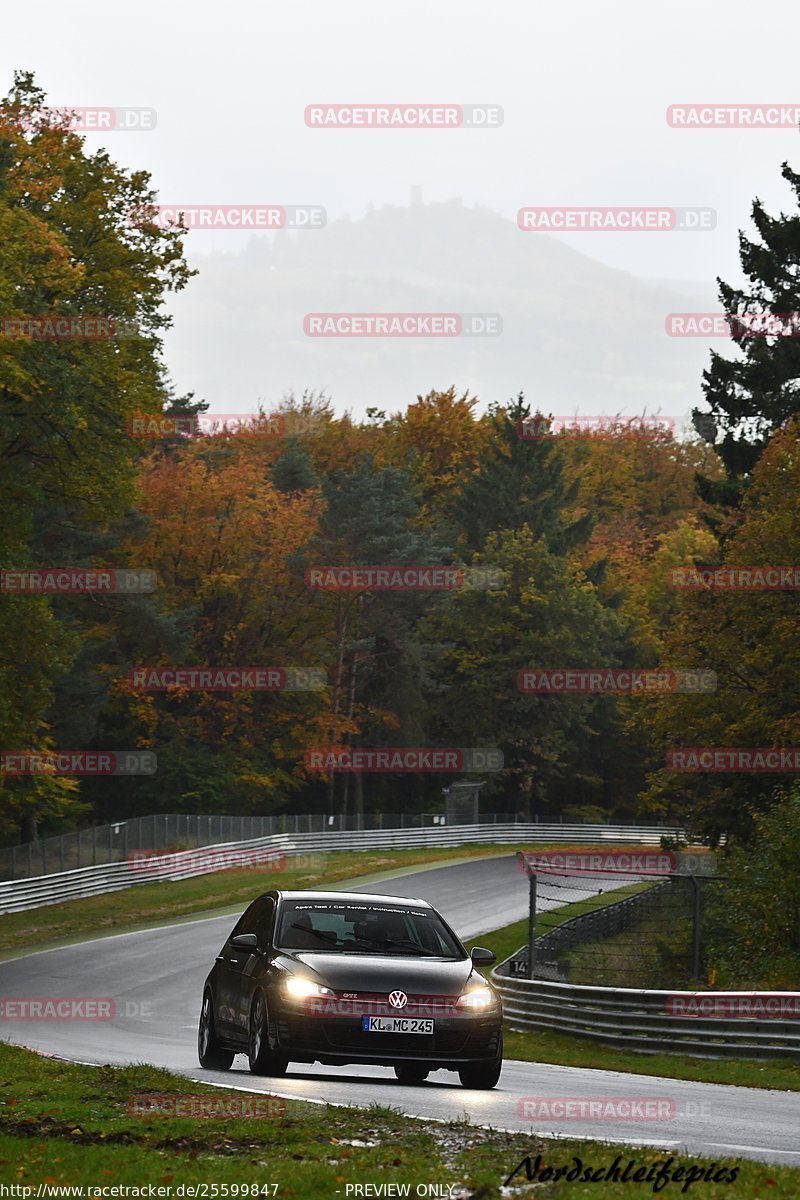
251,919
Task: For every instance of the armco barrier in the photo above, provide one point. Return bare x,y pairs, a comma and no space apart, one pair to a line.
22,894
633,1019
114,842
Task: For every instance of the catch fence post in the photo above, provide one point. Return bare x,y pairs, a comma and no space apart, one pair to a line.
532,925
696,928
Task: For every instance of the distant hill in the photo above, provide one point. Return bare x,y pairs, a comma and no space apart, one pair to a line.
576,333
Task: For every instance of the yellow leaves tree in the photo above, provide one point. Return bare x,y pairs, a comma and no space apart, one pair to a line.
438,439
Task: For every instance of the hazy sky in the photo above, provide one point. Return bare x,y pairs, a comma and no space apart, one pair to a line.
584,87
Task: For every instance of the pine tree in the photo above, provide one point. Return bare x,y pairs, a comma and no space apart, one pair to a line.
751,396
521,482
293,470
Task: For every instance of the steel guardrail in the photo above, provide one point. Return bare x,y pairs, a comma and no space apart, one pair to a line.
640,1019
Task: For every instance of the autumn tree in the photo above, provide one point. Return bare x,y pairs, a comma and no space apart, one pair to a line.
222,540
68,249
371,518
438,440
749,637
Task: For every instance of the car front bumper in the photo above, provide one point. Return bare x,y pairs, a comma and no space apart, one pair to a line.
456,1040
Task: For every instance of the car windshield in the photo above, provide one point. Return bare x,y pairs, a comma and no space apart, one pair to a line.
325,926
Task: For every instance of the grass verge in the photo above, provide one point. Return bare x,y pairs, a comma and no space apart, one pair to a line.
63,1125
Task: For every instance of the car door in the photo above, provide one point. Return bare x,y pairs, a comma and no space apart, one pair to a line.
253,966
230,964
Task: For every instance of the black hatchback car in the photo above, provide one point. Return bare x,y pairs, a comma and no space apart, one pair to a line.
349,977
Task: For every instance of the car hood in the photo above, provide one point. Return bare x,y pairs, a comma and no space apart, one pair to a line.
379,973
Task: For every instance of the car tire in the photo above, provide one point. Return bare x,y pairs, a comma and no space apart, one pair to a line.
410,1074
262,1060
210,1054
483,1075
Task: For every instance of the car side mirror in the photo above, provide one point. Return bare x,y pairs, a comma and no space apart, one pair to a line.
244,941
482,957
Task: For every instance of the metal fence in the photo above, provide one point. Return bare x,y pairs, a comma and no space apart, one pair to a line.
22,894
113,843
587,927
702,1024
603,922
640,940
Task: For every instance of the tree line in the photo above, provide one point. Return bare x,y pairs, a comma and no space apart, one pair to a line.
580,531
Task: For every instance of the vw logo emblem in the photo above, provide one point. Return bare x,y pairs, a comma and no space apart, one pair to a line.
398,999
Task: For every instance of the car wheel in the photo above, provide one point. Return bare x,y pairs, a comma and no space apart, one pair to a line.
211,1055
261,1058
410,1074
483,1075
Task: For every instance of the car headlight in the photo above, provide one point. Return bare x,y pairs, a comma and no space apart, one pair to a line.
301,989
477,998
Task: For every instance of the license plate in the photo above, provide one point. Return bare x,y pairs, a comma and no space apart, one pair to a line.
396,1025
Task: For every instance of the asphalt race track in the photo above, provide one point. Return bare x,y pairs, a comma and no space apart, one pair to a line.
155,978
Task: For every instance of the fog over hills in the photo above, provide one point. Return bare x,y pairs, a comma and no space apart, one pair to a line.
577,335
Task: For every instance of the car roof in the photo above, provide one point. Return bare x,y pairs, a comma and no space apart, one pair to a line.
354,897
